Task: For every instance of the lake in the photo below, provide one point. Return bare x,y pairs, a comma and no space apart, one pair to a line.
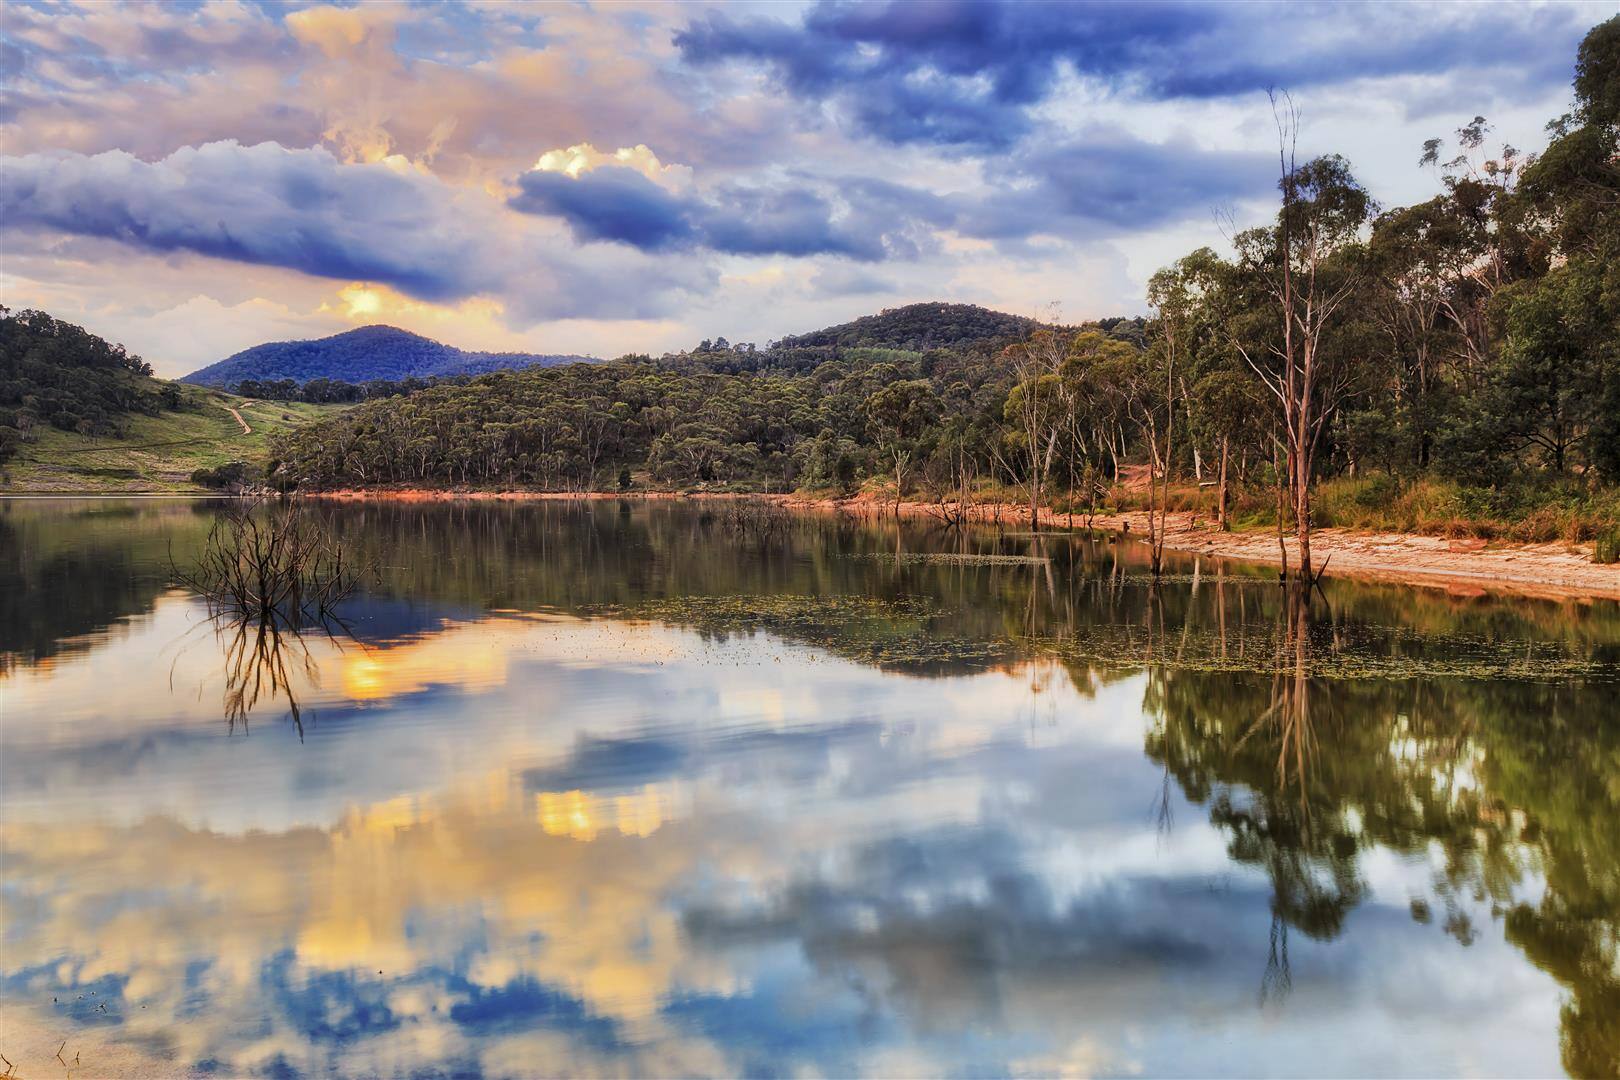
656,788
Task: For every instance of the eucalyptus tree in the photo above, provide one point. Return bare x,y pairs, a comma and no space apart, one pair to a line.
1480,241
1563,328
1310,263
1176,294
1412,250
1034,410
902,416
1094,381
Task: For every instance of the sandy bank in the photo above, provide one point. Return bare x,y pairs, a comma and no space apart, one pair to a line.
1561,571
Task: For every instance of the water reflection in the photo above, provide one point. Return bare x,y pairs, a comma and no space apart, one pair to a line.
595,791
265,660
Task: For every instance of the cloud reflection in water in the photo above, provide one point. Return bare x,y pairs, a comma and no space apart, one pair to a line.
625,848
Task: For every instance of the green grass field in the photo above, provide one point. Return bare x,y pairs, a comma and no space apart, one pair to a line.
159,453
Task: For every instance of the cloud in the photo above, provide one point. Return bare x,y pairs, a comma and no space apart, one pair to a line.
980,151
619,204
299,209
478,89
583,157
1102,182
1108,181
306,211
761,221
614,203
841,281
968,73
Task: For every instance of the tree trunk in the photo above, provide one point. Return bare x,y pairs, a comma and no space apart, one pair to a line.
1282,513
1220,492
1302,526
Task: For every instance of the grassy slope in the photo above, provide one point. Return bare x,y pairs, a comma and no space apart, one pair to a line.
159,453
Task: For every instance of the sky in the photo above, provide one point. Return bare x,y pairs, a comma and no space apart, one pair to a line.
195,178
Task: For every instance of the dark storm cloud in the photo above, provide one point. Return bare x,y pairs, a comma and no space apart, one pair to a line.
298,209
1102,183
612,203
620,204
306,211
965,72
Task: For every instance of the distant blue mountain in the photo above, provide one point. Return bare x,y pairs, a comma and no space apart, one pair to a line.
357,356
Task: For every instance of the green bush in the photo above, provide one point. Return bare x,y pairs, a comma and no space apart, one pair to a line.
231,475
1608,546
1377,491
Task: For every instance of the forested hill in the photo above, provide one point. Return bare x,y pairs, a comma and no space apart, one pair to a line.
57,375
364,355
917,328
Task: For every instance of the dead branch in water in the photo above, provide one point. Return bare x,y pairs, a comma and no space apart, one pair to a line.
274,563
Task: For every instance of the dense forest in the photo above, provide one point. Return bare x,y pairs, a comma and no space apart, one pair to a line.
366,354
1473,338
57,374
771,419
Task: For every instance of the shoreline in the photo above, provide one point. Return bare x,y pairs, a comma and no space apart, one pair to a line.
1553,571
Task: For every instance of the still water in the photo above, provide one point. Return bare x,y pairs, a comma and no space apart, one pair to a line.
636,788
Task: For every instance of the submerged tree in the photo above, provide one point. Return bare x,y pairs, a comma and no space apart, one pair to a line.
271,562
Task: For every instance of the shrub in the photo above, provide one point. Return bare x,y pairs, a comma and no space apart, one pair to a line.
1608,546
1377,491
231,475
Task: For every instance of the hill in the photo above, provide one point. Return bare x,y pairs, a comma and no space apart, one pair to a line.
78,413
54,375
917,328
156,453
363,355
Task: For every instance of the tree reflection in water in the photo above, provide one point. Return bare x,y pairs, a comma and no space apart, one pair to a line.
268,573
1511,780
261,656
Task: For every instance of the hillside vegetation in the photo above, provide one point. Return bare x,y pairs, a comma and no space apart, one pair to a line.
917,328
157,453
741,417
79,414
367,354
57,376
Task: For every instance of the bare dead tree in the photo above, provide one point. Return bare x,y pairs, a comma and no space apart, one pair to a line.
259,562
1310,231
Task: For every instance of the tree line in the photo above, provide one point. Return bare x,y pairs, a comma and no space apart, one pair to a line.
1473,337
324,391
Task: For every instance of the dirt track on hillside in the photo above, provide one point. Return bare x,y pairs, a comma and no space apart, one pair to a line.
246,430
